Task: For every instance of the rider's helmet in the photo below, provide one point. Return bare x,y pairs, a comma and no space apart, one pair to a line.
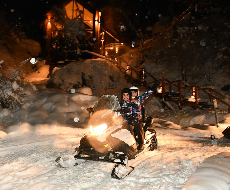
135,89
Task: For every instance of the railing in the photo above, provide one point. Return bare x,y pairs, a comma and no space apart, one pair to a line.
210,91
180,86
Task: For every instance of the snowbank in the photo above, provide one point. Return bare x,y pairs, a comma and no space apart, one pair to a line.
52,107
102,76
213,173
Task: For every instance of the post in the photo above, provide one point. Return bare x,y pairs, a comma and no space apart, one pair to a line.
215,107
48,38
180,94
163,88
170,86
196,95
209,94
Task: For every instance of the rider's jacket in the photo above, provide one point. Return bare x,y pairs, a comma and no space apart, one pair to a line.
131,110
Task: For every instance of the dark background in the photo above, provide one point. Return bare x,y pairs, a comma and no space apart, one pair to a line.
28,16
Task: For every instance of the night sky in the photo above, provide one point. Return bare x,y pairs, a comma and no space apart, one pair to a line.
33,11
29,9
28,15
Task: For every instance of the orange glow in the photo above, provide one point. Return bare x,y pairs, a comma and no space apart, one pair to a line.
159,89
143,72
49,21
194,91
116,49
48,25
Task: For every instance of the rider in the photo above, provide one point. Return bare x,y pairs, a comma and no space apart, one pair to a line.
131,113
132,109
139,110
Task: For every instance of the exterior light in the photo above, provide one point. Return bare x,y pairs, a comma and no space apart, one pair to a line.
76,119
159,89
193,91
33,61
133,43
143,74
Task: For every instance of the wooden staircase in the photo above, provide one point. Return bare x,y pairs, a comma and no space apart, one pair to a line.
176,92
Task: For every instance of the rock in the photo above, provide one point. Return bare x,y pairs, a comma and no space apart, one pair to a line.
31,46
84,90
37,116
100,75
84,101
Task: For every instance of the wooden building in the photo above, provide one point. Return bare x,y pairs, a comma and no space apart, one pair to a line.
73,9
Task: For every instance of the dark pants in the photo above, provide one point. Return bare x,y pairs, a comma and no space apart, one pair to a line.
139,132
130,151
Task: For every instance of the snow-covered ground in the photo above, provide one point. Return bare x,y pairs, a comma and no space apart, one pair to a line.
28,153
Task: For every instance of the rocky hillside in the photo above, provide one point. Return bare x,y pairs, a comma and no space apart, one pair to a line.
195,47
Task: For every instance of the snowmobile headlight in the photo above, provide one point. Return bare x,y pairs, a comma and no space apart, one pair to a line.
98,129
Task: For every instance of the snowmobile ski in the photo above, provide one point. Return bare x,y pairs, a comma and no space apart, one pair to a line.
68,161
143,150
65,163
120,171
151,143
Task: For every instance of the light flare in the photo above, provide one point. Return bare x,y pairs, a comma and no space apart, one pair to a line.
98,129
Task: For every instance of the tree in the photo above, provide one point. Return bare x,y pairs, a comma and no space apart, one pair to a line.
69,35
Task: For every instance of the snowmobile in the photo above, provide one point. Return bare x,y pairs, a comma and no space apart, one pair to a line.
110,138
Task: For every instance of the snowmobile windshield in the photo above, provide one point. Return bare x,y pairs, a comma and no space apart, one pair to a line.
101,117
110,102
97,130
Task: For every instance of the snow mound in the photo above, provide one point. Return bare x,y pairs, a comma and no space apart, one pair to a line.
213,173
101,76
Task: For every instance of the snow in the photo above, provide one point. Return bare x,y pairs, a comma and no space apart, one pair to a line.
27,155
186,157
55,122
213,173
